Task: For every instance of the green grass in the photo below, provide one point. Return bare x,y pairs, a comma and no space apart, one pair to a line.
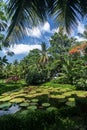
5,87
50,84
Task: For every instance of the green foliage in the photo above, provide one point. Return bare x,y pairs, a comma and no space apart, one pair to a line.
39,120
56,85
35,76
5,87
60,44
68,16
73,71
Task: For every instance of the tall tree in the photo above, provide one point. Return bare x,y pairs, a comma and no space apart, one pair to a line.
3,21
60,44
43,54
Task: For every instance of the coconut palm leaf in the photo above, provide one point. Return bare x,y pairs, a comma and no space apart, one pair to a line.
69,12
24,14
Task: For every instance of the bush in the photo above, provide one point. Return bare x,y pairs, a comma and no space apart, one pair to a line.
81,84
36,120
31,121
35,76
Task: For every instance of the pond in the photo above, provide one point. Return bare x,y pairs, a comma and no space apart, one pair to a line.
13,109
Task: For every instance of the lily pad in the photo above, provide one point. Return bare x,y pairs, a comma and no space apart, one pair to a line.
32,108
5,105
19,95
5,99
71,103
45,104
34,100
17,100
67,94
33,104
51,109
71,99
57,96
25,104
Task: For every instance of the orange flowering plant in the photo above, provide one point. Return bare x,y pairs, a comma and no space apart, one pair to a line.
78,49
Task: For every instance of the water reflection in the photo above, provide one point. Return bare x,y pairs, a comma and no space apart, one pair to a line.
13,109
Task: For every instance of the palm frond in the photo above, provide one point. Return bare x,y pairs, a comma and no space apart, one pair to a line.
69,12
24,14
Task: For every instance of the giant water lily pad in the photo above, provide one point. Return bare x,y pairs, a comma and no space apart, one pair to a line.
33,92
45,104
15,93
71,99
67,94
5,105
81,96
33,104
71,103
24,104
30,96
17,100
7,98
50,109
32,107
35,100
57,96
19,95
5,94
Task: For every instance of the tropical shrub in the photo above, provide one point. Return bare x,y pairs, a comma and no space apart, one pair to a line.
36,120
74,71
36,76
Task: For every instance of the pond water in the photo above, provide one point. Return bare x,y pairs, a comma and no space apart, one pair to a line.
13,109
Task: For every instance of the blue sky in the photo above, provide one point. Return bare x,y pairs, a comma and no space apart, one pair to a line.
35,36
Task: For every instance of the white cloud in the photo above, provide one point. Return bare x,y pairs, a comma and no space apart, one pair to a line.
80,27
37,31
34,32
46,27
22,48
80,38
55,30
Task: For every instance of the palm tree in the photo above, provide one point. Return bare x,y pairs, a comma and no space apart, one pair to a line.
3,21
68,12
3,62
26,13
43,54
2,16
